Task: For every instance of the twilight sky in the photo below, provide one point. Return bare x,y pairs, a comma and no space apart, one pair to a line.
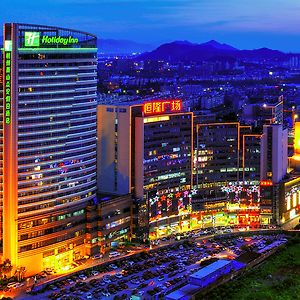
245,24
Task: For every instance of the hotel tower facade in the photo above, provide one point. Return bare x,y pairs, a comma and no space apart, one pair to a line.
48,145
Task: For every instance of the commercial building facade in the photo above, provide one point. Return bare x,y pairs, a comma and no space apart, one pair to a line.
289,201
223,187
49,143
146,149
227,167
109,223
163,167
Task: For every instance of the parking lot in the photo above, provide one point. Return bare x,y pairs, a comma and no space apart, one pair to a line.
152,273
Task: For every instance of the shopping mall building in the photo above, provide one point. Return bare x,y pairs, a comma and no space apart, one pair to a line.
146,149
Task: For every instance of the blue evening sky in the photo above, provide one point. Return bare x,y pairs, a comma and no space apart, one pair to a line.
245,24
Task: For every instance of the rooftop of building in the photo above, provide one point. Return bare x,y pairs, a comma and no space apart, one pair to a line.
204,272
183,292
103,197
46,27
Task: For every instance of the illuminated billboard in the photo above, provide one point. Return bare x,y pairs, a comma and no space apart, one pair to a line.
239,193
35,39
169,204
162,106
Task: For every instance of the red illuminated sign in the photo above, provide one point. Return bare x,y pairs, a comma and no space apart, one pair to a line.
162,106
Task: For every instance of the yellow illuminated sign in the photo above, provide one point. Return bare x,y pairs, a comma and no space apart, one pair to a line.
214,205
297,138
156,119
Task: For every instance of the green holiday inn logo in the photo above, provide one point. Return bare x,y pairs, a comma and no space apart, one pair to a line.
32,39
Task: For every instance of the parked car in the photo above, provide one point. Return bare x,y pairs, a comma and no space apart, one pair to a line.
82,276
113,254
95,273
97,256
12,285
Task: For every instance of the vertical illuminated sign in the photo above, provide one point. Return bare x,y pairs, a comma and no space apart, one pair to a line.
10,149
7,75
297,138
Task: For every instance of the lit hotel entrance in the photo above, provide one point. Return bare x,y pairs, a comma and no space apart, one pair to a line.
60,262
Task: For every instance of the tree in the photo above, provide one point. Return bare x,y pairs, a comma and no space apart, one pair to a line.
20,272
6,267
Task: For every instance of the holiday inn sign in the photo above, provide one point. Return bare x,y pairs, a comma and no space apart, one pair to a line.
35,39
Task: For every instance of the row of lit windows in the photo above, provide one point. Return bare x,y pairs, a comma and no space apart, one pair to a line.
43,221
54,108
52,204
34,234
58,88
30,129
58,183
52,241
80,146
55,97
55,79
53,158
114,234
52,75
66,138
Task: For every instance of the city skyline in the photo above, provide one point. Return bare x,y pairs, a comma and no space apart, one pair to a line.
107,157
242,25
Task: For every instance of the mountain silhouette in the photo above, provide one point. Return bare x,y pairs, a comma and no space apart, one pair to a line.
186,51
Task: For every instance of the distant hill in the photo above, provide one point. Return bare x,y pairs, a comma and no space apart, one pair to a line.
109,46
262,53
184,50
219,46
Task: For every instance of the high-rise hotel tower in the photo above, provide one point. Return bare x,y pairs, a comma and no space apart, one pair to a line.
49,143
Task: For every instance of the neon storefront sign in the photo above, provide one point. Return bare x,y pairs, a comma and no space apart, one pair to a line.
162,106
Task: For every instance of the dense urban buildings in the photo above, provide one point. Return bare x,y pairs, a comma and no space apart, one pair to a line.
48,145
100,152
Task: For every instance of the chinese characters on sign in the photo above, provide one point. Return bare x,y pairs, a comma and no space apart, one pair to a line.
162,106
7,87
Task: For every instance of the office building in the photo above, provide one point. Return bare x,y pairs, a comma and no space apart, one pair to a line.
49,144
264,113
